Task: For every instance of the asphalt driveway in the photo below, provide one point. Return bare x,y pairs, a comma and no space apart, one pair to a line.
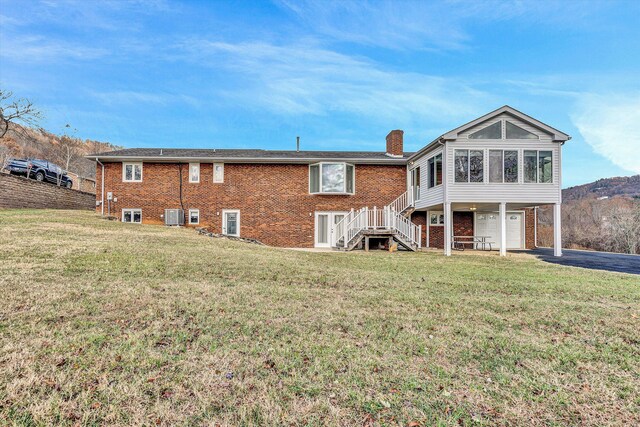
622,263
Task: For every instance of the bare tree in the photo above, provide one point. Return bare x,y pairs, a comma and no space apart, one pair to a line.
623,226
16,110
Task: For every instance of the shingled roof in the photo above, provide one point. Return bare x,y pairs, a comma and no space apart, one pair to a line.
246,155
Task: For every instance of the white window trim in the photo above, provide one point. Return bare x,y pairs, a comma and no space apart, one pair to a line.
338,193
478,129
124,173
224,219
504,132
132,210
484,166
221,180
434,168
488,165
190,176
411,175
537,181
194,210
435,213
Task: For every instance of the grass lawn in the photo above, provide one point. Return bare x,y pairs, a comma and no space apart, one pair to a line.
118,324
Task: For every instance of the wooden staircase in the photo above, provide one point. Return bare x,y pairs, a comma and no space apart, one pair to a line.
392,221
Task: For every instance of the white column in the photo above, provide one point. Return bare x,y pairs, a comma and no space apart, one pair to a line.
557,230
428,243
503,228
448,229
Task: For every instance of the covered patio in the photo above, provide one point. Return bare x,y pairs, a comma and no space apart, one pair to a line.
500,226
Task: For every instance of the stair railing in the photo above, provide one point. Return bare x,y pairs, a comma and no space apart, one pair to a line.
376,219
403,202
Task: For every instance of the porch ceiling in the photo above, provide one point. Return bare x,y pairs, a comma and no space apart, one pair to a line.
483,206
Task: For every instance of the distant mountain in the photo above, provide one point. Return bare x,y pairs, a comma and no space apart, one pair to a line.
65,151
619,186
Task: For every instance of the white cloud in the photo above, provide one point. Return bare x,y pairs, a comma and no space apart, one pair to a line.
34,48
306,78
410,24
611,125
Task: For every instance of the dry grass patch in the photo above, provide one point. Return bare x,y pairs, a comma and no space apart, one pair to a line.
118,324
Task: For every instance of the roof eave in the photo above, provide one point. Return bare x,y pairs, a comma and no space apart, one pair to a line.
173,159
557,135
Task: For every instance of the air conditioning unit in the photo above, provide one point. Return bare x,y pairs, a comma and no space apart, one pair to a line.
173,217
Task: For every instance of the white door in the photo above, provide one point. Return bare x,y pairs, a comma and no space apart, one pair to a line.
324,223
231,222
514,231
487,225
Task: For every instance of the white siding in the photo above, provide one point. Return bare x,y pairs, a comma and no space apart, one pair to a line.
428,196
541,134
520,192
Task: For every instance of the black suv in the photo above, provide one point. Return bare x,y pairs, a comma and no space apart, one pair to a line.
41,170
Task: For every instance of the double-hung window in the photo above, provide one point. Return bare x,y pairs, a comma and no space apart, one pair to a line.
331,178
435,171
469,165
503,166
132,172
538,166
218,172
194,172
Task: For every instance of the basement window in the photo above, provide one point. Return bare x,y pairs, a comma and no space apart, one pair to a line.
132,172
194,216
132,215
331,178
436,218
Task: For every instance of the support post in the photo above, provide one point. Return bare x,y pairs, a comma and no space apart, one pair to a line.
503,228
366,243
448,229
557,229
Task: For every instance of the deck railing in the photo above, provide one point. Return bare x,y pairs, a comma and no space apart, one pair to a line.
386,218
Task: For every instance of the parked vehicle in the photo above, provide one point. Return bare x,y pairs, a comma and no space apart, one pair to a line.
40,170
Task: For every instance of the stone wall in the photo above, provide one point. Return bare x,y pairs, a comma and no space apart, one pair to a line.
20,192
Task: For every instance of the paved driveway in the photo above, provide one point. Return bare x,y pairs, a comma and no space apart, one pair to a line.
595,260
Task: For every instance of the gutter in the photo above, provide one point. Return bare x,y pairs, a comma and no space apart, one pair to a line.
265,160
439,140
102,187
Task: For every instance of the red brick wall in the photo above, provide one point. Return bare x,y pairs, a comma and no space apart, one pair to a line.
529,229
395,142
274,201
462,226
420,218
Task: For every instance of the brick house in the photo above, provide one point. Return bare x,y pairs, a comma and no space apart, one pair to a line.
475,186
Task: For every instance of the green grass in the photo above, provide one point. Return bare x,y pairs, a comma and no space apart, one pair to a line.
103,323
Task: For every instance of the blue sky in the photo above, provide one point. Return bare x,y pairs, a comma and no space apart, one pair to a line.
339,74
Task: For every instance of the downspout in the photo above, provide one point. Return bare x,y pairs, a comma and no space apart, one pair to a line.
181,204
102,189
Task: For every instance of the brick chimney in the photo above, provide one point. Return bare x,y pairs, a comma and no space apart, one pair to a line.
394,143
